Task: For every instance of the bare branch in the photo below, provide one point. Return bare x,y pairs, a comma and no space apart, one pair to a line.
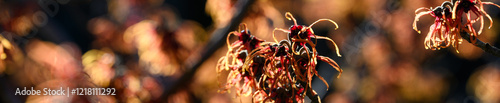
217,40
485,46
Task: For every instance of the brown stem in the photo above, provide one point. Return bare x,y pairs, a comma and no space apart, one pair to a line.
313,96
217,41
485,46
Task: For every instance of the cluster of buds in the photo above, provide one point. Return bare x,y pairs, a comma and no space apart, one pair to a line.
448,22
274,71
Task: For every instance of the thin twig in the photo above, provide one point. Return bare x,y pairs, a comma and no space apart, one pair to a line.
313,96
215,42
485,46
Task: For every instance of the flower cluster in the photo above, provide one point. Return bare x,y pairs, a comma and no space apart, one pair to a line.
449,22
274,71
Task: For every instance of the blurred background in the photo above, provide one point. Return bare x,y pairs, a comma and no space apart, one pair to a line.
141,48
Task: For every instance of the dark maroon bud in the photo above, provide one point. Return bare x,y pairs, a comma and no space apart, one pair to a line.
282,51
438,11
245,36
242,55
